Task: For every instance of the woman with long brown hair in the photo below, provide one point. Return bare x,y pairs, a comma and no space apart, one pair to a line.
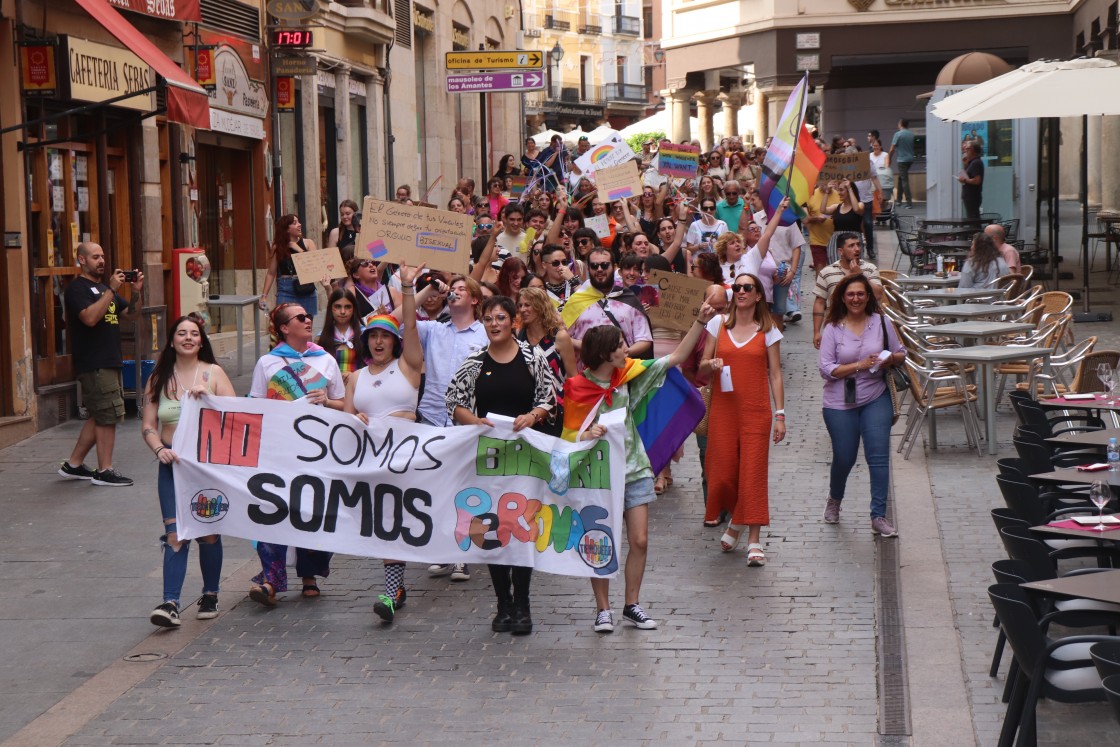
289,240
743,357
186,367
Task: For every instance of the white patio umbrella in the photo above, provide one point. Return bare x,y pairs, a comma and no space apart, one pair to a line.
600,133
571,138
659,121
1071,88
542,138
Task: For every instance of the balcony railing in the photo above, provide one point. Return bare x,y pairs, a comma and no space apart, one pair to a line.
630,25
591,24
559,20
626,92
588,95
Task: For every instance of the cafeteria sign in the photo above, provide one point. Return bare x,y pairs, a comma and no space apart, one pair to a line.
99,72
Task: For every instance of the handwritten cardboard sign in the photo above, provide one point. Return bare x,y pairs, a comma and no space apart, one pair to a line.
611,152
394,232
600,224
851,166
680,298
678,160
618,182
312,266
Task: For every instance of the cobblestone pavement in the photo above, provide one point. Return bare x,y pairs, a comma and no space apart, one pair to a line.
785,653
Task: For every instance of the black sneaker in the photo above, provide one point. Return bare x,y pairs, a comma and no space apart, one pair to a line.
386,607
111,478
635,614
81,472
207,607
166,615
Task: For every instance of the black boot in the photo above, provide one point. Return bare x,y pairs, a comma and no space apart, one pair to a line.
521,621
502,620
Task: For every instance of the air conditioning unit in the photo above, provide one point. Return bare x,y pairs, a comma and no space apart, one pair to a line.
534,33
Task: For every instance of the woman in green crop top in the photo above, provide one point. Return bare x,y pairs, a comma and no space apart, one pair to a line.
186,366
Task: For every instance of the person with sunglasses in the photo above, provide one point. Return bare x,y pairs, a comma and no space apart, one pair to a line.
701,235
512,378
743,357
559,280
296,369
363,281
730,208
598,303
714,164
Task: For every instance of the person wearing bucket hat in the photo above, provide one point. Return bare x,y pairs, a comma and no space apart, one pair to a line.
390,387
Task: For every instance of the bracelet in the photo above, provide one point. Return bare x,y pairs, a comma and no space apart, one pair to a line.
161,448
780,417
407,286
780,412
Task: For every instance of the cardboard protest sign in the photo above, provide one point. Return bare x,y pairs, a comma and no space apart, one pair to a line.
394,232
851,166
517,187
600,224
679,300
295,474
610,152
618,182
678,160
312,266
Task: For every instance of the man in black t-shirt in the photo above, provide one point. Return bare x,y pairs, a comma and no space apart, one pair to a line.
972,182
93,312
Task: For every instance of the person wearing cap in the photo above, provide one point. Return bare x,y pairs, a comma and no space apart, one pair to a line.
389,387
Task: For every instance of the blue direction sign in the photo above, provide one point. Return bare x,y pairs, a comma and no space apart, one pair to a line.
491,82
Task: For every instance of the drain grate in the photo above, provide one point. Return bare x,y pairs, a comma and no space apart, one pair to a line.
894,695
137,658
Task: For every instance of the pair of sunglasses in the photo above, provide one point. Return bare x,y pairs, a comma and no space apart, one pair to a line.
744,287
302,318
599,265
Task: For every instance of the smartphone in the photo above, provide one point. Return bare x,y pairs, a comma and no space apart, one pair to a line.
850,390
130,276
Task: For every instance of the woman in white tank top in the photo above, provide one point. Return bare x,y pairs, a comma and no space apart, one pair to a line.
390,387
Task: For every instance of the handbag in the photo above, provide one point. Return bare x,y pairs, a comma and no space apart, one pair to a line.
897,380
701,428
303,289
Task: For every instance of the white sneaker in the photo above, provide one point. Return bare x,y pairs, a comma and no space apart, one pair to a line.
460,572
439,569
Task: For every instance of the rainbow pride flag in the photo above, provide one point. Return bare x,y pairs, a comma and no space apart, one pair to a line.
664,418
792,162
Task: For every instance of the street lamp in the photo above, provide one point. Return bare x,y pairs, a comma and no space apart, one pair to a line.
557,54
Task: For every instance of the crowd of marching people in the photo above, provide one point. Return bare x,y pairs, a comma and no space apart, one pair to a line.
551,328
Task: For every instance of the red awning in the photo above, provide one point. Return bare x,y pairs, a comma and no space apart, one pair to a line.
187,101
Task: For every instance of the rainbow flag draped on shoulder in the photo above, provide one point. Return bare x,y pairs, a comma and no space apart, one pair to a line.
664,418
792,162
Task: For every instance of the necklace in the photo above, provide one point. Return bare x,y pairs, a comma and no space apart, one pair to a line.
179,381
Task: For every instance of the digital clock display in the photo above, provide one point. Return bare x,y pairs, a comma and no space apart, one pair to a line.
291,38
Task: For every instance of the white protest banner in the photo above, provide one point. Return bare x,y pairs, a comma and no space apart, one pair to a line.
395,232
851,166
618,182
678,160
600,224
312,266
678,302
610,152
297,474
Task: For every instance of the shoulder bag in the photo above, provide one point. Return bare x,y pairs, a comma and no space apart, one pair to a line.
897,380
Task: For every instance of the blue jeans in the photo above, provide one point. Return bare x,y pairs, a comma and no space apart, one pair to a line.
869,227
872,424
175,562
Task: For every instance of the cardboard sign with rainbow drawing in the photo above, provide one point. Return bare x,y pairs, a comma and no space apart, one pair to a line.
394,232
611,152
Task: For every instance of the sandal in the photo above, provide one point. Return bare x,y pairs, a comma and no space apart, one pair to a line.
310,591
729,541
723,516
659,485
264,594
755,556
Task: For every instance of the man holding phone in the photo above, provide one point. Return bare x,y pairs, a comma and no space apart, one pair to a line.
848,264
93,311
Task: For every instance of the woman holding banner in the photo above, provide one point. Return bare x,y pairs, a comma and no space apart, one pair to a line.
296,369
513,378
186,366
390,387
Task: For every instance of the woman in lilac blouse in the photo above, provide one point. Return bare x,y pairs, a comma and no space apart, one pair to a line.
857,405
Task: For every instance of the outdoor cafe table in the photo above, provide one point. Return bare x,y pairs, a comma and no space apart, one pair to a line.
953,295
1087,532
931,281
985,357
1098,402
969,332
1100,587
1097,440
1074,476
968,310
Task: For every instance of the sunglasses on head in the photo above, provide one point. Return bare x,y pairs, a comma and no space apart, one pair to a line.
302,318
599,265
742,287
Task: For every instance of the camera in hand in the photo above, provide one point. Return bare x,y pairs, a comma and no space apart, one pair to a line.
130,276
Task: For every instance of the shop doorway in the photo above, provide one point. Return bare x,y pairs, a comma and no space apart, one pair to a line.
226,219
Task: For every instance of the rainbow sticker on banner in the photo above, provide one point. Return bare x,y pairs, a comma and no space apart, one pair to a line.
601,152
377,249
